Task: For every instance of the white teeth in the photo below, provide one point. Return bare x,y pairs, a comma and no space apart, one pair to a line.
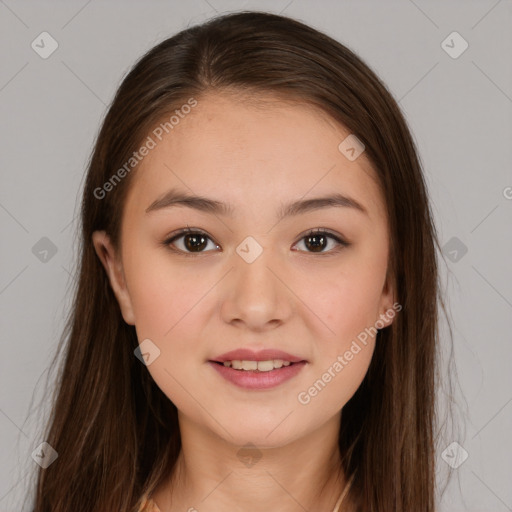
249,365
265,366
262,366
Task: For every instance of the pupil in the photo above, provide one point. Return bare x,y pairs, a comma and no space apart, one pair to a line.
317,247
193,245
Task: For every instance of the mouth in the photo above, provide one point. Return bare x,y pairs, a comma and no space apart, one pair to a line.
258,370
256,366
257,375
245,358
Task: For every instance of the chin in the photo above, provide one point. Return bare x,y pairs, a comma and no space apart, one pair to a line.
263,435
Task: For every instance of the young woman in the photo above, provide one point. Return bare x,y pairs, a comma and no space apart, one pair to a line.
255,325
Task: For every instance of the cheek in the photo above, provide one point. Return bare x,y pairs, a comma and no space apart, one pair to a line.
344,352
351,302
162,296
166,304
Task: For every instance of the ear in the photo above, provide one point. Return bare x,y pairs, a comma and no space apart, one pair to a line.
112,264
388,307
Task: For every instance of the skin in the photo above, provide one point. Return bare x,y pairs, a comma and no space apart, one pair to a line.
255,155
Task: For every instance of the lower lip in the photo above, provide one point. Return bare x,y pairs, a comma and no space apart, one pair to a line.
258,380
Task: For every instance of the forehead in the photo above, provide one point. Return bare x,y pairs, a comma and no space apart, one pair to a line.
253,151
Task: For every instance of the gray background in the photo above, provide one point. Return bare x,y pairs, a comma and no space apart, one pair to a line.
459,110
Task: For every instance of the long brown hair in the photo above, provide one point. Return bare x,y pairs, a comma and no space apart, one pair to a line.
115,431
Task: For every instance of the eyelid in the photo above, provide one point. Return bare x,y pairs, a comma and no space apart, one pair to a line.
315,231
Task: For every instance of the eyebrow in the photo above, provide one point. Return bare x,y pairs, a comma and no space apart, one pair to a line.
175,197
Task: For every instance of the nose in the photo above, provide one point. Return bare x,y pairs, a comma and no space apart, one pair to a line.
255,294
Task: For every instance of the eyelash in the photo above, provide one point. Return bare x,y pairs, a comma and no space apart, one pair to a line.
188,231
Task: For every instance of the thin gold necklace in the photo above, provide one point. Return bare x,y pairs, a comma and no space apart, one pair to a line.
343,494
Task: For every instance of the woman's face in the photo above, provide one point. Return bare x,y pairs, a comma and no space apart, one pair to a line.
252,278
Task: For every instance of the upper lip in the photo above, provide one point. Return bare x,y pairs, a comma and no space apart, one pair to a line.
245,354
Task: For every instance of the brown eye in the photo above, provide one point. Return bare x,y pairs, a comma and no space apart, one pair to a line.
193,241
316,241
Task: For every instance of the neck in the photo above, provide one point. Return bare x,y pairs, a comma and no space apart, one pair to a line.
213,474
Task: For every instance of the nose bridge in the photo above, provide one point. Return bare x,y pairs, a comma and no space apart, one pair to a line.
256,296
